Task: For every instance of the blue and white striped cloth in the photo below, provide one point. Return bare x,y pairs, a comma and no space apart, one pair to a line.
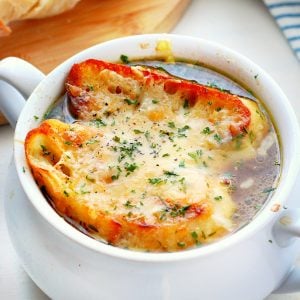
287,16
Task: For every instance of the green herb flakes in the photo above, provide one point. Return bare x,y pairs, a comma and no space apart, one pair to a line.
131,102
124,59
155,180
116,139
98,123
171,125
137,131
207,130
181,164
128,204
130,167
170,173
218,138
196,155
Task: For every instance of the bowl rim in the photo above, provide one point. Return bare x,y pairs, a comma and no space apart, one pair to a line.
260,221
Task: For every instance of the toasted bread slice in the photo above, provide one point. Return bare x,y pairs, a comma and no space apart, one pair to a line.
70,163
141,167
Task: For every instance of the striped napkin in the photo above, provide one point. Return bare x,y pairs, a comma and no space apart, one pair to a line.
287,16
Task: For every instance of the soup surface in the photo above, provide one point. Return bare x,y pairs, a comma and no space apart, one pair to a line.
167,171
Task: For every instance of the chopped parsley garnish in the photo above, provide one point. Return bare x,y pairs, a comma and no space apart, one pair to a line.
171,125
178,211
165,155
182,164
155,180
128,204
130,167
207,130
116,176
66,193
164,133
181,131
131,102
128,150
196,155
154,101
218,198
182,182
98,123
116,139
36,117
124,59
91,141
137,131
181,244
218,138
46,114
170,173
68,142
195,236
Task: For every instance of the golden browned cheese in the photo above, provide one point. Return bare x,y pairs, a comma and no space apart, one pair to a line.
141,169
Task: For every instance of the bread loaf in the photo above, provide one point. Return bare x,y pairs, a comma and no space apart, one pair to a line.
12,10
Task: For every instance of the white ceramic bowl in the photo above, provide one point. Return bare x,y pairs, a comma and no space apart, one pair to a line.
67,264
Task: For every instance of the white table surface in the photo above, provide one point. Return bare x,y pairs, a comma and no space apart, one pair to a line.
243,25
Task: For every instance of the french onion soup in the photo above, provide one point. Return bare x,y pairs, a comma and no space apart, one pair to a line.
154,156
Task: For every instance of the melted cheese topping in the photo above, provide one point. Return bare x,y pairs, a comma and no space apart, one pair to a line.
142,164
142,157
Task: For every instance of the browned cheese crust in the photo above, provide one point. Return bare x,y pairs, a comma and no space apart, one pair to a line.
141,168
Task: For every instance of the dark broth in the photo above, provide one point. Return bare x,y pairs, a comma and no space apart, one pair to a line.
253,181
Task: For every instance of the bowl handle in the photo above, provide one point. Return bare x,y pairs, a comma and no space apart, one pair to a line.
291,284
286,231
18,79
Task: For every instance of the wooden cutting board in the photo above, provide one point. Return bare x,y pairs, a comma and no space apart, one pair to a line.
48,42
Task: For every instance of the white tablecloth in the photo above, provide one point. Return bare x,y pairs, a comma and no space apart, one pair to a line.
244,25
